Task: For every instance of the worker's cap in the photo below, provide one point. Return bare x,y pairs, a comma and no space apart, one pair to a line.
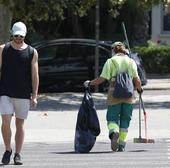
117,43
19,28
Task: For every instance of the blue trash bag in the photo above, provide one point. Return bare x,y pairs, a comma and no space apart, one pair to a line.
87,126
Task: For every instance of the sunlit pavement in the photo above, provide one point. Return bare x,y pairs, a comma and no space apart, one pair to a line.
49,139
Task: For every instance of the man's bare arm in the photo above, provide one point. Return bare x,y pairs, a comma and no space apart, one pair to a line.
1,49
35,75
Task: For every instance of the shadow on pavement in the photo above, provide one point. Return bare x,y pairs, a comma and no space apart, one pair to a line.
72,102
155,105
10,164
67,101
72,152
138,151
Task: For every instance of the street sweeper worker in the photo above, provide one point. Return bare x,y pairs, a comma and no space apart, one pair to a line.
119,111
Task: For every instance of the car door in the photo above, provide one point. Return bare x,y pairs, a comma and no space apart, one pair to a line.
78,66
51,66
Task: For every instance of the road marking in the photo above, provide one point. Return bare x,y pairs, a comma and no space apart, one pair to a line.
167,140
168,144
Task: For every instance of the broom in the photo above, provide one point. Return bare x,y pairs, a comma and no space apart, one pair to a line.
140,139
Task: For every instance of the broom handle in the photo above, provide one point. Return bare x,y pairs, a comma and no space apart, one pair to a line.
125,34
140,116
145,117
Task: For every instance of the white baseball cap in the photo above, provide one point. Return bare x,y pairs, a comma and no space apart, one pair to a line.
19,28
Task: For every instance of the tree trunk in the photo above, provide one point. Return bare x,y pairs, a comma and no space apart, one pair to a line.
141,29
5,20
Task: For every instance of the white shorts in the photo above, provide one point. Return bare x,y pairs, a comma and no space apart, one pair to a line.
19,107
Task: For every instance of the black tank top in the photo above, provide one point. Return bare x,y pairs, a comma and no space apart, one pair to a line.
16,72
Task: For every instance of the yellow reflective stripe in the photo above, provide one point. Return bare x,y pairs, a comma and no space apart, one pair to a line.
123,136
113,126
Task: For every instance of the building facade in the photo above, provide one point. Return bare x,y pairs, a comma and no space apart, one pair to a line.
160,31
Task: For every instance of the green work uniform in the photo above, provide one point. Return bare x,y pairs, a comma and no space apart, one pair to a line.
119,112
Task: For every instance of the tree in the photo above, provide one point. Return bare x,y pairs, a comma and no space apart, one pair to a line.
135,13
5,20
40,11
55,11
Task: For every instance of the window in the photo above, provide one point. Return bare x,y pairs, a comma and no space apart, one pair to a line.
166,17
47,53
53,54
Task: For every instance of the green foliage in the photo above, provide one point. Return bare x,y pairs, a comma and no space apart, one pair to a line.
48,9
39,10
155,59
55,13
82,7
54,9
115,6
147,4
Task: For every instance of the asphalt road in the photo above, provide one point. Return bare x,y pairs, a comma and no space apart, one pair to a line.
49,140
62,155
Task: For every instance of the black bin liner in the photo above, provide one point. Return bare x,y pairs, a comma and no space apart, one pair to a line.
87,126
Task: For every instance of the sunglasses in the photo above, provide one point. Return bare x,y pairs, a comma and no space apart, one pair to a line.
19,36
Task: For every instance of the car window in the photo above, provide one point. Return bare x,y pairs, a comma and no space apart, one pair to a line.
52,54
103,55
85,54
47,53
62,51
81,52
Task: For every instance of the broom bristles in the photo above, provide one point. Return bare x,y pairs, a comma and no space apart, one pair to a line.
143,140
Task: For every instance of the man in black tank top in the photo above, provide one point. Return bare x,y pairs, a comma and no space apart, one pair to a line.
18,88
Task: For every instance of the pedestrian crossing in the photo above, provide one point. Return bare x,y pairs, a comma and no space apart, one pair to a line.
168,147
62,155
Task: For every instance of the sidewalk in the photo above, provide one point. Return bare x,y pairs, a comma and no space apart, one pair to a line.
158,82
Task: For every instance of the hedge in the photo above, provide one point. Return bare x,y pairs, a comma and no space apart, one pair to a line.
155,59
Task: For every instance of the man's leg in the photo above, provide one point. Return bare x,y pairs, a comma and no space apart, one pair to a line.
21,107
125,118
6,134
113,117
6,131
19,139
19,136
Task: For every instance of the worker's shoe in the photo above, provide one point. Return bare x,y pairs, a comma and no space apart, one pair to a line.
17,159
6,157
114,141
121,148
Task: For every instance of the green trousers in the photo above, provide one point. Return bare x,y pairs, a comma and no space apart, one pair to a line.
118,120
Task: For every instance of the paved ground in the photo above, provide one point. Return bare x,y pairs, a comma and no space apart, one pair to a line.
62,155
49,140
158,84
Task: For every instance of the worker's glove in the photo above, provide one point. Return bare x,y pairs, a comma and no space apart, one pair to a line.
140,91
86,84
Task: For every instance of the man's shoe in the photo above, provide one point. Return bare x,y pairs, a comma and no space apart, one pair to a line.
6,157
121,148
17,159
114,141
